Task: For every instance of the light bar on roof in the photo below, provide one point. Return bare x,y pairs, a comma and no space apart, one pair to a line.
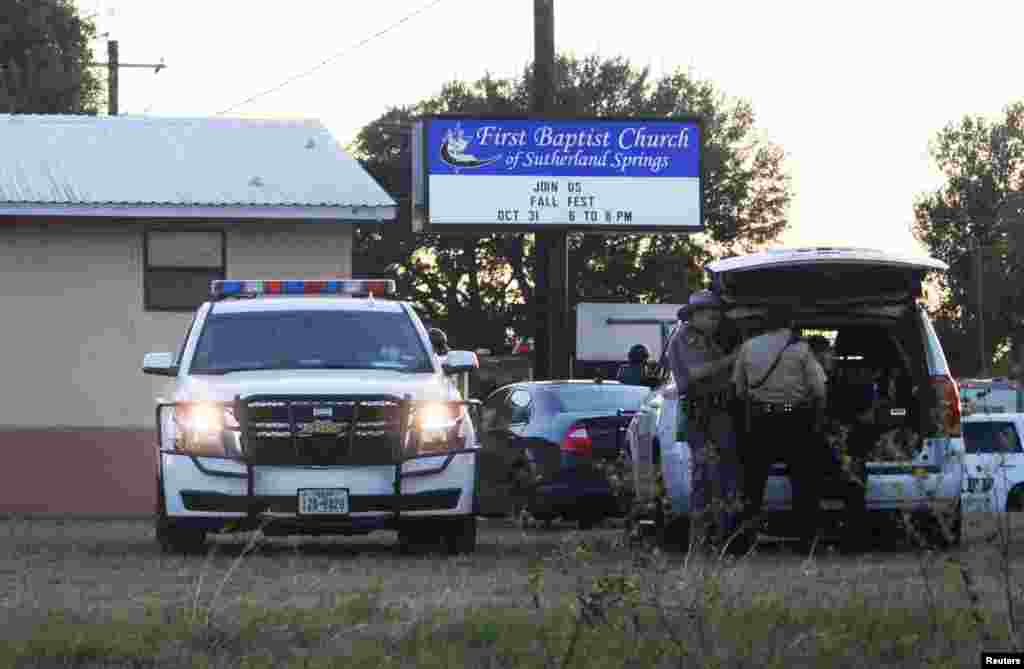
345,287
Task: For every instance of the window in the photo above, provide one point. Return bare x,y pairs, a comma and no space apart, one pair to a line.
991,437
520,406
319,339
495,414
600,397
178,266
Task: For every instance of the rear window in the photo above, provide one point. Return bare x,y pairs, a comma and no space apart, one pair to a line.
600,397
991,437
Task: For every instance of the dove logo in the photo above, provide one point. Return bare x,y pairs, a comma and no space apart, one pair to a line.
453,152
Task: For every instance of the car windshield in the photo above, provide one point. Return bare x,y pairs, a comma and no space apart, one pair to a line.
309,340
600,397
991,437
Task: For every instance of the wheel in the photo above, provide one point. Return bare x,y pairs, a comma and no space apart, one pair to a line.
1015,500
673,532
171,537
174,539
941,534
460,536
412,536
589,522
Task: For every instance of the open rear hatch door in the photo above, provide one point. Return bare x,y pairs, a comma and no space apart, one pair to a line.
821,277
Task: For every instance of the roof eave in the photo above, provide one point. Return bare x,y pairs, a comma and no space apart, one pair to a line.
339,213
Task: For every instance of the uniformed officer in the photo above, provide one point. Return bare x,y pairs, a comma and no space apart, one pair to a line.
439,340
783,385
703,373
635,373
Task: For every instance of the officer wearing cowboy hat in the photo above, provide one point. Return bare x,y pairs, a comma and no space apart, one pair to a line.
703,376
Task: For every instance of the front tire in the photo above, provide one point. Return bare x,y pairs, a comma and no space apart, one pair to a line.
171,537
460,536
175,540
941,534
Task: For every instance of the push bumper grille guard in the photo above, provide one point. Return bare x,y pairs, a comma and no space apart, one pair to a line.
400,453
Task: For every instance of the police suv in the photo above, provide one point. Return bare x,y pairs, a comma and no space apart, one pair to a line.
868,302
313,407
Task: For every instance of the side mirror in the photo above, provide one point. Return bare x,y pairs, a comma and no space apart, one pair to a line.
457,362
159,364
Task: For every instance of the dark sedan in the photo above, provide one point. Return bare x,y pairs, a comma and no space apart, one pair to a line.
544,441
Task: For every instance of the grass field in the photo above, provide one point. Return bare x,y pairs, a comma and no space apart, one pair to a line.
91,594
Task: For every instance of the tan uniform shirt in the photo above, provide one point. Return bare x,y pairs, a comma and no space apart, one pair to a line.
798,377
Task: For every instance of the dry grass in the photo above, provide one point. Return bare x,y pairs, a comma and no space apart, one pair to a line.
100,594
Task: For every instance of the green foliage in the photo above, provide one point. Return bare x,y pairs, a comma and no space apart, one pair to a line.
44,56
481,287
982,162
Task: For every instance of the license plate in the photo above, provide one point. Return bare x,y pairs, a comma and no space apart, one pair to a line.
975,504
323,501
832,504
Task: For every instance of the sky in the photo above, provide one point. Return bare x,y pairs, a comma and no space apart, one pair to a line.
853,92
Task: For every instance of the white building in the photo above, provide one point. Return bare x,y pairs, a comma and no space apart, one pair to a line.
111,229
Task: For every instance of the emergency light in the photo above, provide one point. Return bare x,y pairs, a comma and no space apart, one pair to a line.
344,287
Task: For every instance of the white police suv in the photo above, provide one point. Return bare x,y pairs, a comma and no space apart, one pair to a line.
868,302
313,407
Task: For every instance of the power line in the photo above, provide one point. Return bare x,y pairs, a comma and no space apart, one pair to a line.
361,43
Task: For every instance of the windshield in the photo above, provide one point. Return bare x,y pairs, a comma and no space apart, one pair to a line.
309,340
600,397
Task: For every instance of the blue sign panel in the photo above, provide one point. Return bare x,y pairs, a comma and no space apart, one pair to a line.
583,174
564,148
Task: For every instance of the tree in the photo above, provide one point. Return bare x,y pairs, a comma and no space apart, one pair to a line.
44,57
483,286
974,212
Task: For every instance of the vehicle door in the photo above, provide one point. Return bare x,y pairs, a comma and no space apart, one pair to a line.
993,464
502,457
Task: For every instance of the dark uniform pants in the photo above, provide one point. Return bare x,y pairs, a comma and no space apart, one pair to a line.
789,438
715,491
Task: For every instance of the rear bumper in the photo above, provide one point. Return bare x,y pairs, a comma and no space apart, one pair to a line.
891,487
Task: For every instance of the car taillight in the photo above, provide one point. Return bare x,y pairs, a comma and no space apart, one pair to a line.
577,441
948,398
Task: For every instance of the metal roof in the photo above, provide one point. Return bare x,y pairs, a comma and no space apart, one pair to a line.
195,167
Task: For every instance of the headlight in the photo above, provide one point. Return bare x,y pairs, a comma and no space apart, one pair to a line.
206,429
439,427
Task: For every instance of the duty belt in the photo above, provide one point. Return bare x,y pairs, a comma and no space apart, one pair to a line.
758,408
708,401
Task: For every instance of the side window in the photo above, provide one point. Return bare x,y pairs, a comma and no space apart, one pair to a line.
991,437
492,410
520,406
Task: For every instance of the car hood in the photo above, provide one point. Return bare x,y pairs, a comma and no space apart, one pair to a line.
821,276
313,382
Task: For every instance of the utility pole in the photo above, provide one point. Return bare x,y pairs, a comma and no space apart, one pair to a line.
113,65
980,296
551,248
